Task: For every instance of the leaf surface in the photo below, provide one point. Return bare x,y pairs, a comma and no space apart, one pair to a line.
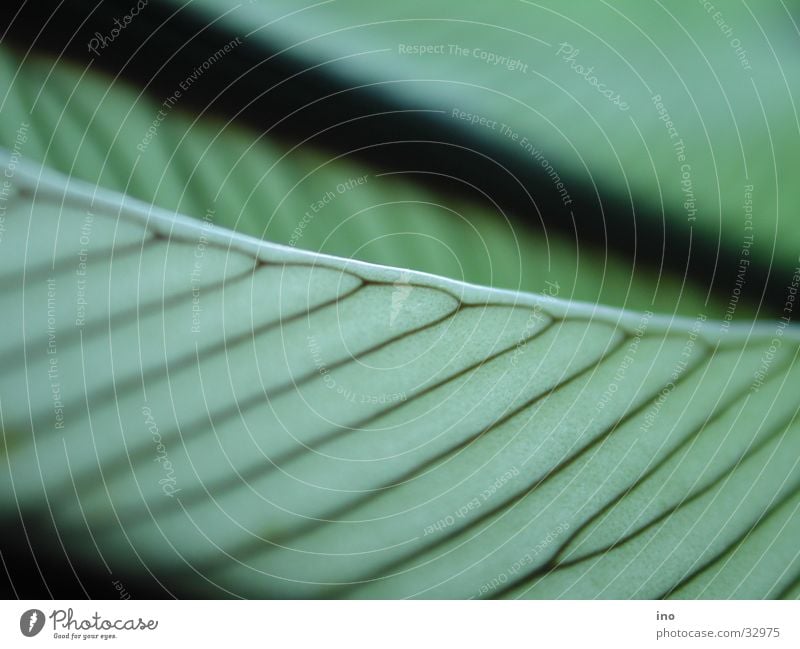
247,419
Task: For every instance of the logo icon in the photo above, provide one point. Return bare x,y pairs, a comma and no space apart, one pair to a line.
31,622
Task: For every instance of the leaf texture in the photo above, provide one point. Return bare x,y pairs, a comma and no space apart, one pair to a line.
239,418
675,108
90,126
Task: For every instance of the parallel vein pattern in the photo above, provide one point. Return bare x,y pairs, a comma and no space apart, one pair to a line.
241,419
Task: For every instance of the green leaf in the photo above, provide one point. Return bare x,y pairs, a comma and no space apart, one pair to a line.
236,417
678,109
89,126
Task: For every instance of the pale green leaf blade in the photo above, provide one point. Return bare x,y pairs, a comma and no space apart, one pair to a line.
89,126
241,418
